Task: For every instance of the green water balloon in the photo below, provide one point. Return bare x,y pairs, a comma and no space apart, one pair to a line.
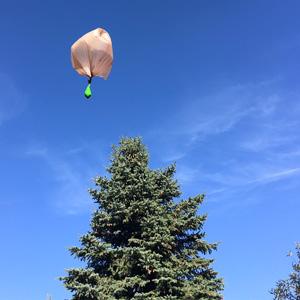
88,91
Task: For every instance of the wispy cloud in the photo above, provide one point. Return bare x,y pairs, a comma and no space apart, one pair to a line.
12,100
275,176
199,120
214,114
71,179
254,191
265,141
185,174
268,177
236,140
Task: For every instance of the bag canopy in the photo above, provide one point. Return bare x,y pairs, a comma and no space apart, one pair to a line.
92,55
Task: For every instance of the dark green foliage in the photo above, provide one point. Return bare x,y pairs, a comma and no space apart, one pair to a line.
289,289
142,245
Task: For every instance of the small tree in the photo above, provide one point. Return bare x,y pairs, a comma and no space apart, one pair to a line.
289,289
142,245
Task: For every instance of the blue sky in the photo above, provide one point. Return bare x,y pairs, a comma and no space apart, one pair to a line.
212,85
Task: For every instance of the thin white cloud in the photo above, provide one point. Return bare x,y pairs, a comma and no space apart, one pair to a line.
185,174
72,195
214,114
236,177
12,100
252,127
173,156
246,185
38,152
215,125
288,154
275,176
266,141
71,179
201,119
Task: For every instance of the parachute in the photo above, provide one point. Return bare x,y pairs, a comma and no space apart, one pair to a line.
92,55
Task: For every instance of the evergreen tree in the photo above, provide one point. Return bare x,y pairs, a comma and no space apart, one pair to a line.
289,289
142,244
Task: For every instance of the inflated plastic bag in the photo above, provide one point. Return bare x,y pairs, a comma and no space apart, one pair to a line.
92,55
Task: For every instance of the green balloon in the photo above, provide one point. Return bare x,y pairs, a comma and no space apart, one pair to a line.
88,91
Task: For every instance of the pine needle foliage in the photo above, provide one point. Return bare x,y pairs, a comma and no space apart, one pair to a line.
289,289
142,243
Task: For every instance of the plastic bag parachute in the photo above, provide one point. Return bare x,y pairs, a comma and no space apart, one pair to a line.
92,55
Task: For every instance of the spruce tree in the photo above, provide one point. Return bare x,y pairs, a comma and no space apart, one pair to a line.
143,244
289,289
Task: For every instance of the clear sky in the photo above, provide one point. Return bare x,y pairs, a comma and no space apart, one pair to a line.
212,85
